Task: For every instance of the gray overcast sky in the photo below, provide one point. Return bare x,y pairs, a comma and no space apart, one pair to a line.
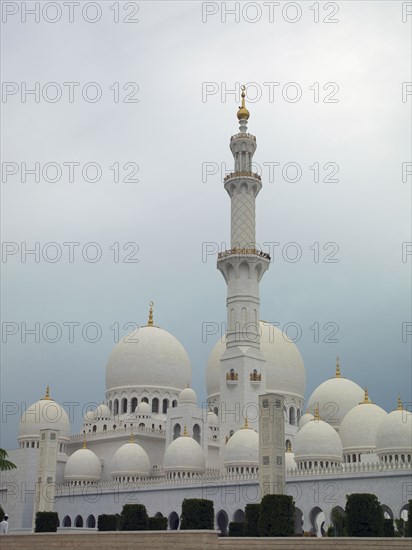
171,211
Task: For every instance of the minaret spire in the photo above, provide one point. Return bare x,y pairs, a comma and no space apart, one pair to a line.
243,114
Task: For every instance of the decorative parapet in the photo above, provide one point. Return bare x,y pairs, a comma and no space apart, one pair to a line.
232,376
243,252
237,136
234,175
352,468
120,431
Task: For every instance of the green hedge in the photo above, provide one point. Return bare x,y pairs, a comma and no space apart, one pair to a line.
364,515
408,529
108,522
134,518
236,529
388,528
252,512
46,522
1,514
277,516
157,524
197,513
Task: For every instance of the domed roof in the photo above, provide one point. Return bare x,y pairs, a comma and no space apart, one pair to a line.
359,426
103,411
82,465
89,417
143,408
305,418
184,454
394,433
285,371
148,356
131,460
335,398
187,396
317,440
43,414
242,449
212,419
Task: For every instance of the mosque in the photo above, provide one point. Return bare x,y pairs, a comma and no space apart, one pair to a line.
150,442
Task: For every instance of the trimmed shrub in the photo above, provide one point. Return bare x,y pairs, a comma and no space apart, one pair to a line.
1,514
400,527
364,515
388,528
197,513
46,522
108,522
252,512
338,522
236,529
408,529
157,524
133,518
277,516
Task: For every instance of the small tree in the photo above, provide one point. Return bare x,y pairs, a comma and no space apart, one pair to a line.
364,515
277,516
134,518
4,463
1,514
388,528
252,512
236,529
197,513
46,522
157,524
339,522
400,527
107,522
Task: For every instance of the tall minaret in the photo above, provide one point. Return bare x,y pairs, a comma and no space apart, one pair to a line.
242,367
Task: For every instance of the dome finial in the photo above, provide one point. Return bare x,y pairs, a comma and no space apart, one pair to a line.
131,439
366,398
84,443
289,447
47,396
246,423
243,113
150,321
337,374
400,404
317,417
185,431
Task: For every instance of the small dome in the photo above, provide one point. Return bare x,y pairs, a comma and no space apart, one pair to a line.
242,449
103,411
187,396
148,357
44,414
335,398
359,427
212,419
89,417
184,454
394,433
130,460
143,409
83,465
285,371
305,418
317,440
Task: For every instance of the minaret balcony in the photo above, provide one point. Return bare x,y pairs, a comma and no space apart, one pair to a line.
232,378
240,135
243,252
237,175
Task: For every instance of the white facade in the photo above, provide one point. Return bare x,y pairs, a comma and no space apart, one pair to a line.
150,442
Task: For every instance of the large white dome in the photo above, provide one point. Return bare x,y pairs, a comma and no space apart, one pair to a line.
148,357
394,433
242,449
130,460
335,398
359,427
317,440
184,454
82,465
285,371
44,414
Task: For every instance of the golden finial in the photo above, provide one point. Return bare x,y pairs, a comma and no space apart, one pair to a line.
337,375
47,396
243,113
289,447
150,321
317,417
246,423
131,439
400,404
366,398
84,444
185,431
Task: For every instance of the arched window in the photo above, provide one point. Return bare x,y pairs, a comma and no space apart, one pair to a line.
287,444
91,522
142,425
292,416
176,431
78,522
124,405
196,433
67,522
165,406
174,403
216,410
116,407
111,406
298,414
94,428
134,404
104,427
145,400
155,405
